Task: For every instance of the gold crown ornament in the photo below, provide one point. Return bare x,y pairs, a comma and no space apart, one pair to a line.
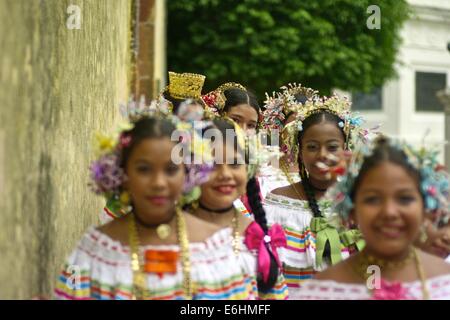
185,85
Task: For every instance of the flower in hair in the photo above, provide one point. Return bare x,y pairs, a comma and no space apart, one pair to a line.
434,182
106,174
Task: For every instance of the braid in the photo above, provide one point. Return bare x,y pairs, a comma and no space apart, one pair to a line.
312,202
259,214
311,197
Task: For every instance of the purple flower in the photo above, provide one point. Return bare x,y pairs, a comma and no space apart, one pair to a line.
106,174
196,175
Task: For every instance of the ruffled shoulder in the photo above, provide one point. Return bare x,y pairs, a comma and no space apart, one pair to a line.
104,267
439,289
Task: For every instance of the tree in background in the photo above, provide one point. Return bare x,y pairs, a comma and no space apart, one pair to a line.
264,44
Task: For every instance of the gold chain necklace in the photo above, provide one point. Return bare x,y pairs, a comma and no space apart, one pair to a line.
285,170
140,290
236,233
366,260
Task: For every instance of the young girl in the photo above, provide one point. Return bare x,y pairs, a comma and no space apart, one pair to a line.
157,251
388,190
232,100
182,97
227,182
320,135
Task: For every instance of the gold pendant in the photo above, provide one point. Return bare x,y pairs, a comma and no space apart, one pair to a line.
163,231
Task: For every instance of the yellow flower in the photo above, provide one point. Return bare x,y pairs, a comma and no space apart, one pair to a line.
104,143
124,126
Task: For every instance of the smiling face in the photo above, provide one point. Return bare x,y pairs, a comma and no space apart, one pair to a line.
389,209
320,140
245,117
154,183
227,182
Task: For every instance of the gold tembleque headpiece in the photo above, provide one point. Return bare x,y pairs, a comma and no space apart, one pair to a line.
185,85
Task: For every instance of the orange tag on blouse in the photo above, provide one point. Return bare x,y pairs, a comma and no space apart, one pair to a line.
161,261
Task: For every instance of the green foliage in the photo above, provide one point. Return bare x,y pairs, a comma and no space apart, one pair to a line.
264,44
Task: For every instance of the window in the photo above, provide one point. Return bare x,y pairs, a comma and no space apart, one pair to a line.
427,85
367,101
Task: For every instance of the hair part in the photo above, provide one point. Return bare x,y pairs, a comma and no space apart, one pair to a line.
146,128
235,97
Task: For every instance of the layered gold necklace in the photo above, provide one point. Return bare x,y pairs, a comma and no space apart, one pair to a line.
365,260
236,233
140,290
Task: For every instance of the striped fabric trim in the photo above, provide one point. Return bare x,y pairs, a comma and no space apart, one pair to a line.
241,208
294,276
239,287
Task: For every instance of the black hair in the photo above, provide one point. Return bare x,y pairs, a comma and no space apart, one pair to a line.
235,97
144,128
314,119
382,152
259,214
299,98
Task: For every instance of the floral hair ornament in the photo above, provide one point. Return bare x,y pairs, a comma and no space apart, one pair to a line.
351,124
134,110
434,183
215,100
279,106
107,176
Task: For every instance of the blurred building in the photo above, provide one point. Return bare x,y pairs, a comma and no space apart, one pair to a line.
407,106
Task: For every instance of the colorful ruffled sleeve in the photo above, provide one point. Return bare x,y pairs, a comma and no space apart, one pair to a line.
74,281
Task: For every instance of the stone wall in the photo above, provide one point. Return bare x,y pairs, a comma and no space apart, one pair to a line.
57,86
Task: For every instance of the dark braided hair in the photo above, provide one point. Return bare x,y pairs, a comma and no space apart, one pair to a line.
253,192
322,116
259,214
316,118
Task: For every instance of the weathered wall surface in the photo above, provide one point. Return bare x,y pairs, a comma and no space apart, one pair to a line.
56,87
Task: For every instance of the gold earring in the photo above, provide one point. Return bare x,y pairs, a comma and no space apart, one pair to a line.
125,200
303,169
423,235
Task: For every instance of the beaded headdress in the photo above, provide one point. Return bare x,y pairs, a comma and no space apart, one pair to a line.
215,100
434,179
281,104
351,123
185,85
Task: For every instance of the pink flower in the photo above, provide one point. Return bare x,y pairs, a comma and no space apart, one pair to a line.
432,191
390,291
